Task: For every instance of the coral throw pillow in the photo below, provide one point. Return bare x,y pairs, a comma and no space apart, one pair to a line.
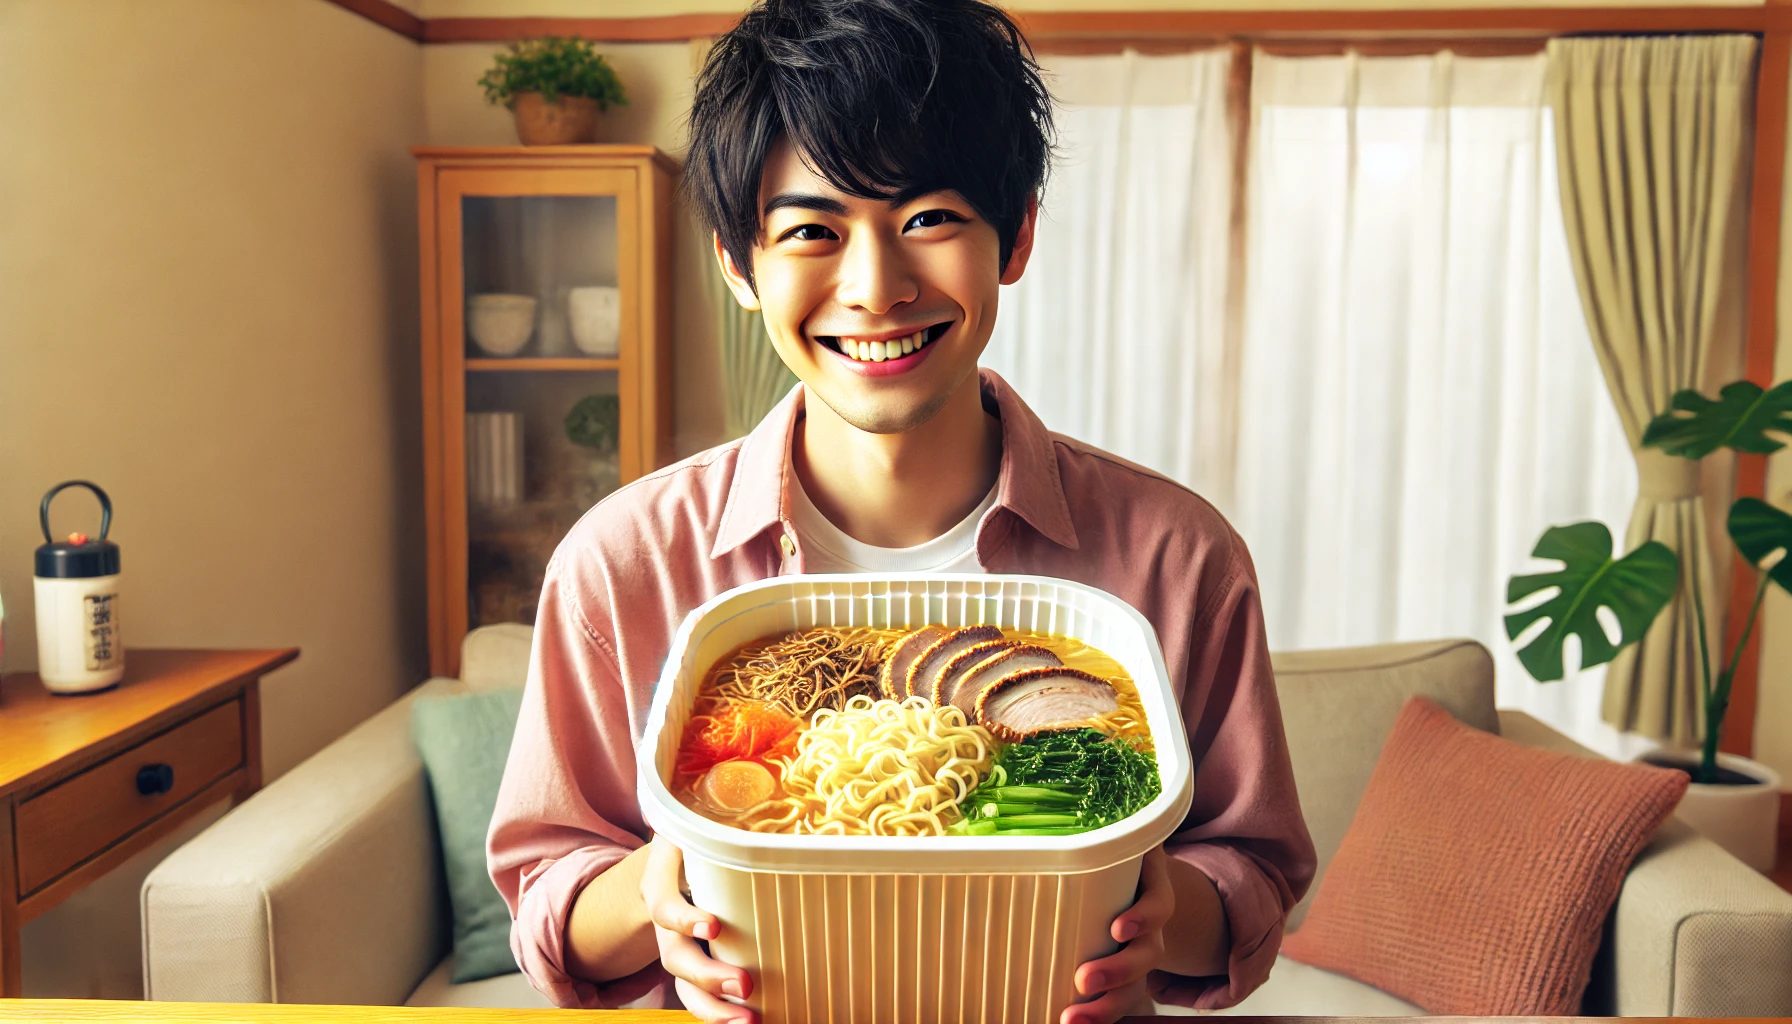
1478,873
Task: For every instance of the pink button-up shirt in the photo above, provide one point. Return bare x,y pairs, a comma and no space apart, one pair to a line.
624,578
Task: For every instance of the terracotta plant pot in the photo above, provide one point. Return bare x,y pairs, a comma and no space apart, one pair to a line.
1740,812
567,121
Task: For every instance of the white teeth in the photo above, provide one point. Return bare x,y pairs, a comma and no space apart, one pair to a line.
878,351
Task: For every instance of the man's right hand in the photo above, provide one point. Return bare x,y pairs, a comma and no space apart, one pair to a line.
701,980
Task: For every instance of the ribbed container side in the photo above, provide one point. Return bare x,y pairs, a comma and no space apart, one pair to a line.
935,949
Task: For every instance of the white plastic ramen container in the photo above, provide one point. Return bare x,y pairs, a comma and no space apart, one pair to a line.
874,929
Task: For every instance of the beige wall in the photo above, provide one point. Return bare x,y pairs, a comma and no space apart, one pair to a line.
208,306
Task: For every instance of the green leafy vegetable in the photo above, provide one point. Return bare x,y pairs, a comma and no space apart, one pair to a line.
1060,783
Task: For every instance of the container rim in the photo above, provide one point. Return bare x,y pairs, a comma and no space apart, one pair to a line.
766,852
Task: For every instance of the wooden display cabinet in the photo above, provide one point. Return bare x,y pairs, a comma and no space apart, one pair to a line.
546,281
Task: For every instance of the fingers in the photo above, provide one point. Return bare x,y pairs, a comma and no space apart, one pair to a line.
666,905
1140,927
1140,957
678,926
688,962
711,1010
1156,902
1110,1007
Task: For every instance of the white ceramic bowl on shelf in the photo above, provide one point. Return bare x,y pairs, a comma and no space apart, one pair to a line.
501,324
596,315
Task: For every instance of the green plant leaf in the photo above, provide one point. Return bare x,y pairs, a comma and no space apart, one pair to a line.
554,67
1635,588
594,422
1695,426
1759,530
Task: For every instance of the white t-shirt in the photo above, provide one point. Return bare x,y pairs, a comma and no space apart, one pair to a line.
827,549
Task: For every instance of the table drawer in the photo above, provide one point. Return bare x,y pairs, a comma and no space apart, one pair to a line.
73,820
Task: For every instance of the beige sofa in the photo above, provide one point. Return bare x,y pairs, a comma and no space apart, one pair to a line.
326,887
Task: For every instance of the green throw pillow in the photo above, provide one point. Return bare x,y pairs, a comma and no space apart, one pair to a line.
464,741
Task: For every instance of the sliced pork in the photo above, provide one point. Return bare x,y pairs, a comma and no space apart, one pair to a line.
962,688
925,671
963,662
895,669
1036,700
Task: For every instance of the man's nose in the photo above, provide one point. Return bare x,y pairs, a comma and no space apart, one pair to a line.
874,277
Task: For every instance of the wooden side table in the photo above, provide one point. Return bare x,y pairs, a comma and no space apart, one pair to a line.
88,780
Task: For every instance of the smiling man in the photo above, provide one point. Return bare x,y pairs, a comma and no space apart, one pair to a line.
871,170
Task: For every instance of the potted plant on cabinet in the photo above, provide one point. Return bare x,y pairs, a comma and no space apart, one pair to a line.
1733,800
556,88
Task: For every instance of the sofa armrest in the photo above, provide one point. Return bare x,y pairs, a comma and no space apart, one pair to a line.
325,887
1696,933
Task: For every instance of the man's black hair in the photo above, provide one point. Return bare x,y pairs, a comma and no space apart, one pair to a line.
884,99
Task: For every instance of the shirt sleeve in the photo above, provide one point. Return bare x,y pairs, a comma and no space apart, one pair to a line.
569,780
1244,829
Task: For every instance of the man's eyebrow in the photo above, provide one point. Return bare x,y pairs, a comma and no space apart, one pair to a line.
804,201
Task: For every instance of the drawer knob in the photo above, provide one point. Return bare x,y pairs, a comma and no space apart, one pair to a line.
155,778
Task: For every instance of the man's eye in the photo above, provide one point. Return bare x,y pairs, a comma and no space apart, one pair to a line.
931,219
810,233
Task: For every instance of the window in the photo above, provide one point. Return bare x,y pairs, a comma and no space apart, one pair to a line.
1401,394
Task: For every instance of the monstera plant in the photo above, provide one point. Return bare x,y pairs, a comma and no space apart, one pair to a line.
1635,588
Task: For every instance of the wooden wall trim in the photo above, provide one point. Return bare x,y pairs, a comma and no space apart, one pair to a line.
674,28
1771,80
1149,30
387,15
1384,24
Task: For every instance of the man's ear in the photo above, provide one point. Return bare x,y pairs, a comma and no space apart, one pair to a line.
737,281
1023,243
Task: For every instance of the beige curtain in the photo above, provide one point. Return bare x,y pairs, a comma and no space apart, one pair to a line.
1653,145
753,377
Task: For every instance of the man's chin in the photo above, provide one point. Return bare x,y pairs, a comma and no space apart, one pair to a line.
884,417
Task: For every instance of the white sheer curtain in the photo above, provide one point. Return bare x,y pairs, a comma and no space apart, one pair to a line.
1419,396
1116,333
1412,397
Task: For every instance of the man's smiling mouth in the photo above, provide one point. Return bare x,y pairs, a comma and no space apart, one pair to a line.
879,351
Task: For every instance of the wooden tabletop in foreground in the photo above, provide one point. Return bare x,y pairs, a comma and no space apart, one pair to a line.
78,1010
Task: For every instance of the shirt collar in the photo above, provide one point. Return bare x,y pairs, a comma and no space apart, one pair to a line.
1028,484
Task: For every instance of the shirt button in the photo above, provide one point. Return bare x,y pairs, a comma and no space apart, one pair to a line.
787,545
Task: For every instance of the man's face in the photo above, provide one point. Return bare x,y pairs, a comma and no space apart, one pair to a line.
880,309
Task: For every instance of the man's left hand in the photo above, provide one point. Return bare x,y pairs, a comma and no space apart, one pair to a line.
1118,980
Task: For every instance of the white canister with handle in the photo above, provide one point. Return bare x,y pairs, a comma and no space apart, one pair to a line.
79,646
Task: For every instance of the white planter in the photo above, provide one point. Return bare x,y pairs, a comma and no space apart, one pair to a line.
1742,819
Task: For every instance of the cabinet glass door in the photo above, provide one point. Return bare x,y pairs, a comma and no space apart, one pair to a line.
546,314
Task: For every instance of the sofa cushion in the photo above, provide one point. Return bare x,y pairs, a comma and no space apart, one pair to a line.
1338,708
465,741
496,657
1295,989
1477,875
